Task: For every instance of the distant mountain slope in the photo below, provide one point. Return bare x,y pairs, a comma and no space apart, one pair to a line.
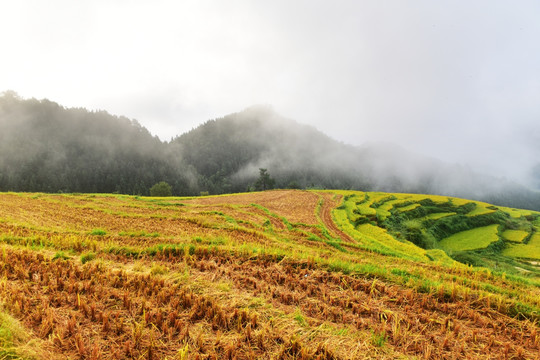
46,147
230,150
233,148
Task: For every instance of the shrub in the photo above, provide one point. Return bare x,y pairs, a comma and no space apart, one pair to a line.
294,185
161,189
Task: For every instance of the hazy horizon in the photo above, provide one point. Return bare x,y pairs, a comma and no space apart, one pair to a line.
455,81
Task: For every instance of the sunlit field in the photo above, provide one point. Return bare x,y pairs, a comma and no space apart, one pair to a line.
477,238
284,274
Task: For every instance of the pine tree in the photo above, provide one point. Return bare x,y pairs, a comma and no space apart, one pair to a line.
265,182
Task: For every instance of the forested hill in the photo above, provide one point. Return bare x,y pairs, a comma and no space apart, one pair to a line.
228,152
46,147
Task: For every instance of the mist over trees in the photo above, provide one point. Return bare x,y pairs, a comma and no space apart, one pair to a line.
228,152
46,147
535,175
264,182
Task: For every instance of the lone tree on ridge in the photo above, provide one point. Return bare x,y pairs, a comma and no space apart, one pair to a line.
265,182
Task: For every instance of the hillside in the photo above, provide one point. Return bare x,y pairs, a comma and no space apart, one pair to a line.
46,147
472,232
236,146
228,152
285,274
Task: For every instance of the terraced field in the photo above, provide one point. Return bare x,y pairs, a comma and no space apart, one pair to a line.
271,275
476,233
477,238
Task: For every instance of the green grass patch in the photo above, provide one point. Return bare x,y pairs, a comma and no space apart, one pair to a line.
401,272
60,256
336,244
477,238
440,256
87,257
437,216
379,339
12,335
531,250
481,209
98,232
140,233
299,317
408,207
516,213
515,235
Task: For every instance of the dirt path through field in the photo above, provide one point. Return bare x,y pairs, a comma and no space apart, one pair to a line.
330,201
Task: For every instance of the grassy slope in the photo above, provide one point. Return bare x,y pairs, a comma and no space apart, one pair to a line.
470,231
265,275
474,239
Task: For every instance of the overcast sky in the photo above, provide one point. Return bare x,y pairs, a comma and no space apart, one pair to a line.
455,80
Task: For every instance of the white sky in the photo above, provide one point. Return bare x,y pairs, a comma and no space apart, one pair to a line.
456,80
